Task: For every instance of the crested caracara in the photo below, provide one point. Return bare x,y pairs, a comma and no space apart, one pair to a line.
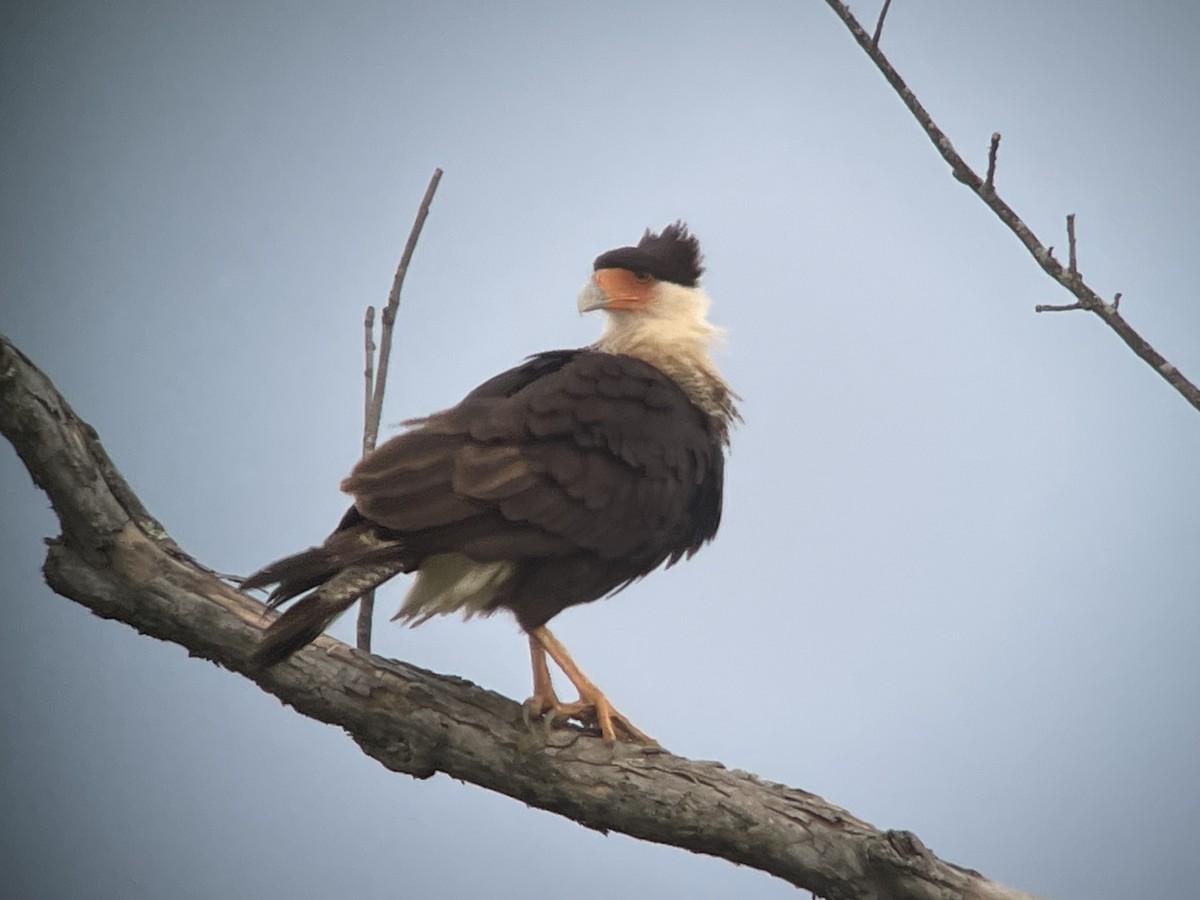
555,483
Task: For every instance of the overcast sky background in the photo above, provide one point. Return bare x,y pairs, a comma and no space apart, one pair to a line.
956,588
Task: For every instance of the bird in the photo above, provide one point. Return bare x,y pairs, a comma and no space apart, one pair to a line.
558,482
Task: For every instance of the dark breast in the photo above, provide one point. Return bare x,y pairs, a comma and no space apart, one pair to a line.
586,470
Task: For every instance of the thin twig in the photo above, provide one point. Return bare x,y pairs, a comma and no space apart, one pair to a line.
389,311
366,603
879,25
989,183
1087,297
368,374
1052,307
374,404
1072,260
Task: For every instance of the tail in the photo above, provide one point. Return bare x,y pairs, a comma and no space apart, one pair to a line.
303,623
352,561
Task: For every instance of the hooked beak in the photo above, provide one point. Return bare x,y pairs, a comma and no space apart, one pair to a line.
591,297
616,289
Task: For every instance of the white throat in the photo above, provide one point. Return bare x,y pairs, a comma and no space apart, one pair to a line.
673,334
673,326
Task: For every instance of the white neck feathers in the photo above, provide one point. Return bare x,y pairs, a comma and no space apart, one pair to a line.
673,334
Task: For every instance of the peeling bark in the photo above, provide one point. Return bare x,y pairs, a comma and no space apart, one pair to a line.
115,559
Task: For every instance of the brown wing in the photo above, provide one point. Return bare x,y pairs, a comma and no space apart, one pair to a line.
587,469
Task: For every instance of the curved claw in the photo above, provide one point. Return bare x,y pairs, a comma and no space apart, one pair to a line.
596,712
592,708
538,712
613,724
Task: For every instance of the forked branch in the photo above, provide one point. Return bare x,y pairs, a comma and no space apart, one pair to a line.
388,317
1069,277
377,379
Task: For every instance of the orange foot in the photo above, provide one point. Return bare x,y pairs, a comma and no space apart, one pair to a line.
592,708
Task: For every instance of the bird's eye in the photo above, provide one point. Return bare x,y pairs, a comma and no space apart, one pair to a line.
643,277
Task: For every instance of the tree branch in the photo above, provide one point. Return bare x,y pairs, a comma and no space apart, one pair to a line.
879,25
368,441
1070,279
388,316
115,559
376,386
989,183
366,603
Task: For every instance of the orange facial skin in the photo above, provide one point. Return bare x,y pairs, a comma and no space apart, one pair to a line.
623,288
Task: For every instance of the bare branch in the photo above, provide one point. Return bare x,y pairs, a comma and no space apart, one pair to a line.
365,621
113,558
1053,307
369,375
989,183
1087,297
366,603
389,311
374,406
1072,259
879,25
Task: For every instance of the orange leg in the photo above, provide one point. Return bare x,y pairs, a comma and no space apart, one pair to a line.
592,705
544,699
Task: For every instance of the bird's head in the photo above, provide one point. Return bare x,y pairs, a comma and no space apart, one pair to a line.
652,295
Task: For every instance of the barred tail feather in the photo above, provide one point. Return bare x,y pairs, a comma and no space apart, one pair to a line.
353,560
295,574
303,623
297,627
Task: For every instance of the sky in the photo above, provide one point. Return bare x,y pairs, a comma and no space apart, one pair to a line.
955,588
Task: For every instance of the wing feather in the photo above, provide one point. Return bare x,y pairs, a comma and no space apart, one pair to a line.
571,453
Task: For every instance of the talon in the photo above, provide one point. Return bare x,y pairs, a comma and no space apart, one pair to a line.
528,711
593,708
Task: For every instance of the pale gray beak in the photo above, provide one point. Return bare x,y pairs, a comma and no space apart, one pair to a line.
591,297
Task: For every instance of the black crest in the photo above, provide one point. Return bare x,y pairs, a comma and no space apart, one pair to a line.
673,255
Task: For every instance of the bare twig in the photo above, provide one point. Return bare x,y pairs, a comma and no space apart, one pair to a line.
113,558
366,603
1072,259
374,405
366,617
989,183
369,375
1054,307
879,25
389,311
1087,297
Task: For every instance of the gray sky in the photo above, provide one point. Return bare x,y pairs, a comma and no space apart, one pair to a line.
956,585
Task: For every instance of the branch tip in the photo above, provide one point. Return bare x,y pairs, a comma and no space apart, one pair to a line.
1072,261
984,188
389,311
368,372
879,25
374,405
989,183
